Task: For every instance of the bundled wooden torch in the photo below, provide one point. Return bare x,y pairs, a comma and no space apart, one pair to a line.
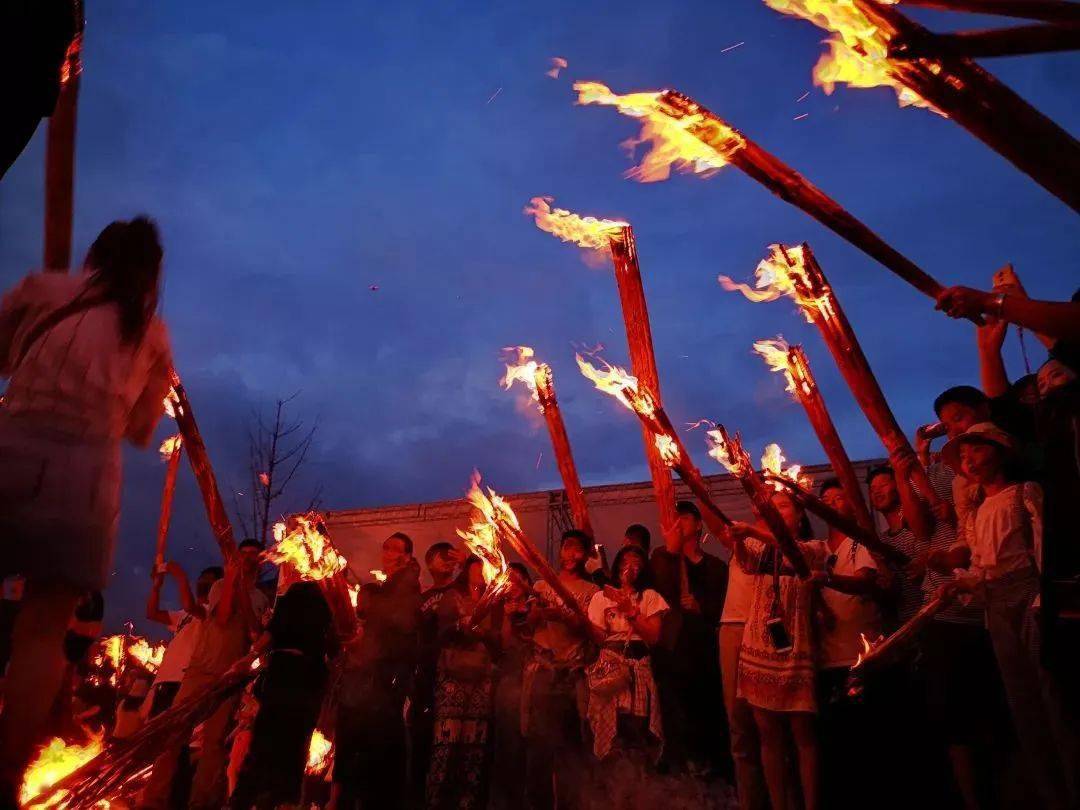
170,450
178,406
305,552
729,451
793,271
615,238
873,44
686,136
522,366
632,393
482,539
493,510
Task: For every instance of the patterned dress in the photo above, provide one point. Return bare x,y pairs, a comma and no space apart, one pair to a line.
458,776
769,679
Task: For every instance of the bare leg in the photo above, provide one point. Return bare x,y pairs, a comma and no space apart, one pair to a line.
806,746
34,673
966,774
771,731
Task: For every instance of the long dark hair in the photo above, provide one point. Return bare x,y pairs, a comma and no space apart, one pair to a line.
644,580
125,267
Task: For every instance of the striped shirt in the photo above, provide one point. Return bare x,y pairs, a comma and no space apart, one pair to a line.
944,538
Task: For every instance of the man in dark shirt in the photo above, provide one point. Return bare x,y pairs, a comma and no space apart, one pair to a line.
442,562
370,763
687,661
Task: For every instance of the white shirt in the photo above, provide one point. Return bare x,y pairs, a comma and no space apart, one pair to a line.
740,593
604,613
1006,532
177,655
852,615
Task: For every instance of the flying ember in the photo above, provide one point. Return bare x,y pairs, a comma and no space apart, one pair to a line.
586,232
666,131
858,49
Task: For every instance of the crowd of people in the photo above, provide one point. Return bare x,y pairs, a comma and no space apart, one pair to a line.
702,659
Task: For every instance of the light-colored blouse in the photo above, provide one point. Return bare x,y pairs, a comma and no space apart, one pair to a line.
79,378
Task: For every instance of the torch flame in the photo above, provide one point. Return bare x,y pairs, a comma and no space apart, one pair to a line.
618,383
772,463
783,272
170,403
113,650
667,131
482,536
320,750
858,49
53,763
867,646
775,353
586,232
149,656
521,367
305,547
667,448
170,446
731,456
379,576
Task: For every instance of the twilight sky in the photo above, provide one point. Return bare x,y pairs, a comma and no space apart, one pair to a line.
297,154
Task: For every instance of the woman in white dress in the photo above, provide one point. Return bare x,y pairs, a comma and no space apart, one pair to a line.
88,366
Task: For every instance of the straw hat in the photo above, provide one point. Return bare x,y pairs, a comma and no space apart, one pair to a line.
981,433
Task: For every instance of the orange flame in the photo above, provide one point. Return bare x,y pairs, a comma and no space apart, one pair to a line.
618,383
354,594
783,272
379,576
53,763
305,547
858,49
667,132
170,446
521,367
482,536
586,232
147,655
667,448
320,753
722,452
772,462
170,403
775,353
113,650
867,646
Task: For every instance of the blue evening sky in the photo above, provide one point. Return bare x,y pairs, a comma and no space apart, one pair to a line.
296,154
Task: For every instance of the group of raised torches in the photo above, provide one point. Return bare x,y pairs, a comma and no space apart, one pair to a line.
680,135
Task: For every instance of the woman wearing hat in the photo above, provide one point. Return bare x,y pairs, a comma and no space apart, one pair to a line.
1005,539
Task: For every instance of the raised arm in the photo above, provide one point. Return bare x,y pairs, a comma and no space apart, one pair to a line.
990,337
154,613
187,598
1054,319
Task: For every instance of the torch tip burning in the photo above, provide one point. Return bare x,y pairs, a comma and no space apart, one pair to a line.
587,232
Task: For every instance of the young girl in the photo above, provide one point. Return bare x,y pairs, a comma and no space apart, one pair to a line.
624,706
1005,551
779,683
